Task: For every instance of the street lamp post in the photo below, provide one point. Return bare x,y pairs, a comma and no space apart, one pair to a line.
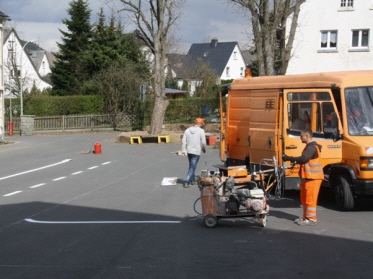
21,78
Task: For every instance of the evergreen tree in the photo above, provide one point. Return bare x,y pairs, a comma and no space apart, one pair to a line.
68,73
111,47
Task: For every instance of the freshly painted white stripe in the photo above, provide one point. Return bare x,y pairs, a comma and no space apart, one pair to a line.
91,168
105,163
17,174
13,193
102,222
76,172
38,185
59,178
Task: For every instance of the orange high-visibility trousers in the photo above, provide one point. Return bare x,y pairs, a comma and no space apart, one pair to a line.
309,192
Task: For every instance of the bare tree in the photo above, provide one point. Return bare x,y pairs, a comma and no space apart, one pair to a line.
13,81
154,19
119,84
273,42
206,79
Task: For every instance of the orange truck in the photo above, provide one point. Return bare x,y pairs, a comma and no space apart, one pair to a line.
265,116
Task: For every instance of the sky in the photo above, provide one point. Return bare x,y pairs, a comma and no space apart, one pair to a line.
201,20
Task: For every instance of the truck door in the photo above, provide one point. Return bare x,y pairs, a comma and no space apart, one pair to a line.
264,124
314,109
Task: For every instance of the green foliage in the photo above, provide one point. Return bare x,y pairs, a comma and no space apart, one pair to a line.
68,72
57,105
120,84
185,85
109,45
186,110
178,111
171,83
97,60
226,81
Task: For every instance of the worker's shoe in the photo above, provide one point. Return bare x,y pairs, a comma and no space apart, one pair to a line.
306,222
186,185
298,219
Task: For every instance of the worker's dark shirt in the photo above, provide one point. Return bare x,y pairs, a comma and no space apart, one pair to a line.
309,152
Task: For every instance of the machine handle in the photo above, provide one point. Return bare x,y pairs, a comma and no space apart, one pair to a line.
291,147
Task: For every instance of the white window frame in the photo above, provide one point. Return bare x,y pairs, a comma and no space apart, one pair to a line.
360,38
242,70
347,3
328,39
227,71
346,6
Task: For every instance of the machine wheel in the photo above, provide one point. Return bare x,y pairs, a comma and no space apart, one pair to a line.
343,194
210,220
263,220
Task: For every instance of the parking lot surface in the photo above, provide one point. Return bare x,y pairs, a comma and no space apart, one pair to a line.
69,213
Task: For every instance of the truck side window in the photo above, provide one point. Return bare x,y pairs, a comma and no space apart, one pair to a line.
304,116
330,124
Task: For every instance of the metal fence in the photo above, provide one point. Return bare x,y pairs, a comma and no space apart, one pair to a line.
81,122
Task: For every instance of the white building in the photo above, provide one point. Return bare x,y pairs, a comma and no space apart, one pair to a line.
225,59
333,35
26,60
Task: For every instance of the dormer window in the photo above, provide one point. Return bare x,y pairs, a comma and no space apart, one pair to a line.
206,53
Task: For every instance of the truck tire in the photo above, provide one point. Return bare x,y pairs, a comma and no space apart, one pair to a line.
343,194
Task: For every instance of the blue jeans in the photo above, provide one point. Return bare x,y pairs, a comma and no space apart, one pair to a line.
193,161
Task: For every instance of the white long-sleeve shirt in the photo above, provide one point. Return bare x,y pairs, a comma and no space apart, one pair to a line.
194,141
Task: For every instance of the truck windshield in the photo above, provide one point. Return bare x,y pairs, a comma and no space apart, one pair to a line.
359,104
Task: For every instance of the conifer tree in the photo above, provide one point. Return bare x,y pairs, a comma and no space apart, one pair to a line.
68,73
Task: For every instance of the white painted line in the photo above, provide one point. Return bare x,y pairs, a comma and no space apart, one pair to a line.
38,185
59,178
76,172
11,194
105,163
91,168
17,174
102,222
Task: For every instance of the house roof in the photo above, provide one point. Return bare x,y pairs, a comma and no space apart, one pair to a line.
214,54
33,51
4,16
174,91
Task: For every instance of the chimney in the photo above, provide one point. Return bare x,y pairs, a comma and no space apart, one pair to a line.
214,42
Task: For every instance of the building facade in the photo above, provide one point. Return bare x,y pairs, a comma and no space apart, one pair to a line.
333,35
24,63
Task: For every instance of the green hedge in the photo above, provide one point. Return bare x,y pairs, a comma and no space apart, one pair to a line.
55,105
186,110
178,111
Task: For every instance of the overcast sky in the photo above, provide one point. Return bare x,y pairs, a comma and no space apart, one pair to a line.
202,20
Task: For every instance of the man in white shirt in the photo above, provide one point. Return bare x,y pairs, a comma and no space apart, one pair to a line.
193,144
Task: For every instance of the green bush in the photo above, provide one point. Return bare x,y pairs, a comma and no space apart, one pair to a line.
66,105
178,111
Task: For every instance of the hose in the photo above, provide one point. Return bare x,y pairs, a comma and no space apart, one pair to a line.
194,206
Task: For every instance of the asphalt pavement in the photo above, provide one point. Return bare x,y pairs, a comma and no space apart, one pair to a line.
69,213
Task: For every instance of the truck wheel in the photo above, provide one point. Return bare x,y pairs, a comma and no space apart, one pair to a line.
210,220
343,194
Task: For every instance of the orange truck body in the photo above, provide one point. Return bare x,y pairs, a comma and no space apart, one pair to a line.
265,115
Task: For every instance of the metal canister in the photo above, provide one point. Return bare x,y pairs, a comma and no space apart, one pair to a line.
209,197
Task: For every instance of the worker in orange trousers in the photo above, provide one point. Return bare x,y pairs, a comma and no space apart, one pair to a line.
311,174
